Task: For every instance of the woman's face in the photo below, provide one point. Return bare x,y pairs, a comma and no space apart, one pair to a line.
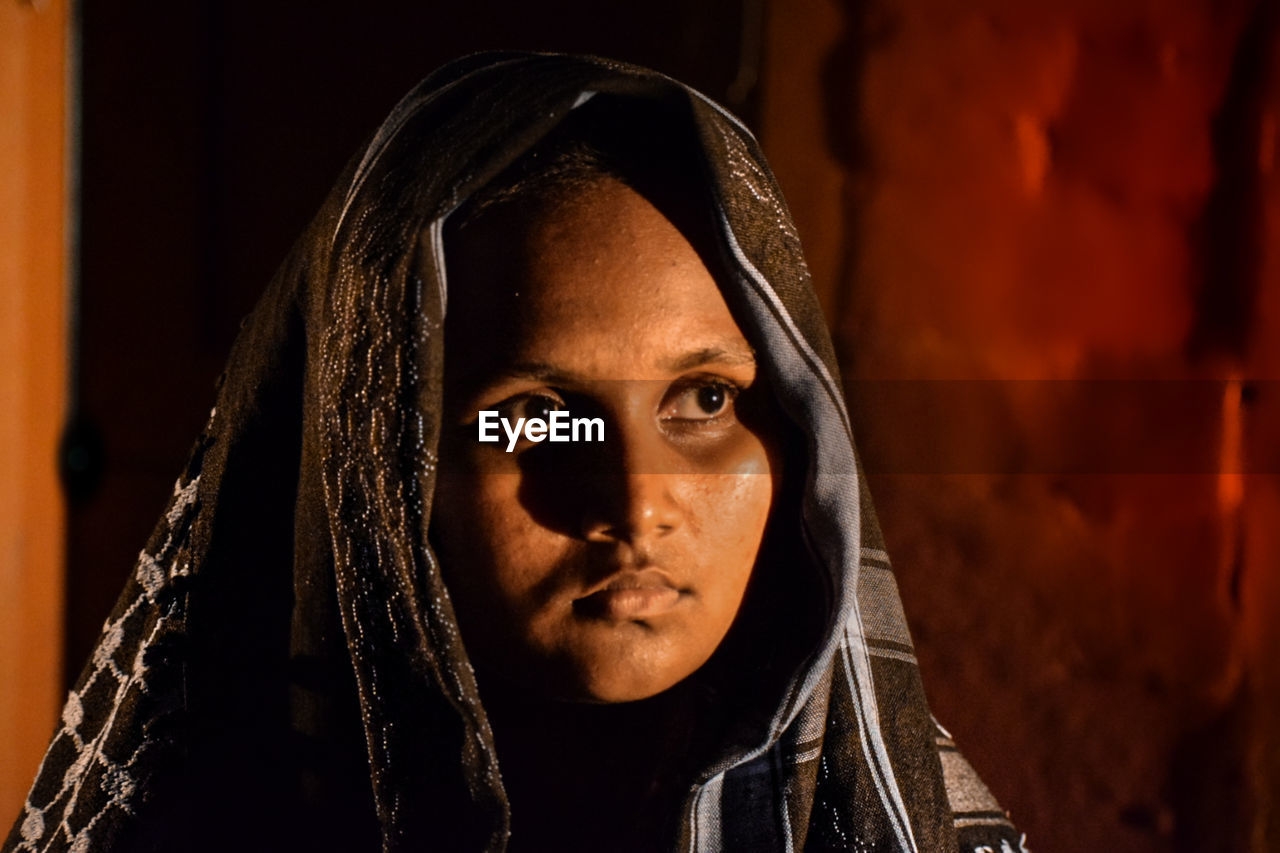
597,571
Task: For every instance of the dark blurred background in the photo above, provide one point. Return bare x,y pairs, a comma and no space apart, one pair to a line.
1046,236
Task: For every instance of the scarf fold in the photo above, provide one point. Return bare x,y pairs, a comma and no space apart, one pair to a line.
284,667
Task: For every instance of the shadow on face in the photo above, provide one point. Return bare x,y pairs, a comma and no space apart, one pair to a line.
602,571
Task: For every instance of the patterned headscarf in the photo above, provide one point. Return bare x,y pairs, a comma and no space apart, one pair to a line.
284,668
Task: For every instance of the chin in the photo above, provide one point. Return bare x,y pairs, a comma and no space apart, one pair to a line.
617,679
615,691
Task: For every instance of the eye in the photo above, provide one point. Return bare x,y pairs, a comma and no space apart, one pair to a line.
536,404
701,401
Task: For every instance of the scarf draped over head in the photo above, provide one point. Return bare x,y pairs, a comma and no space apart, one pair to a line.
284,667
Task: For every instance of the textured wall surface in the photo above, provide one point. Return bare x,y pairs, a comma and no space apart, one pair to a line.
1047,238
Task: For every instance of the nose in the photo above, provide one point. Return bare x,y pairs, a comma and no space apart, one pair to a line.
643,510
635,494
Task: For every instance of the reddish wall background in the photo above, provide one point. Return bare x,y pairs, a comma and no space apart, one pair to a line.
1048,238
1046,235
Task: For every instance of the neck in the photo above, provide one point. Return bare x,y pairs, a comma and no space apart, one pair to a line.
579,775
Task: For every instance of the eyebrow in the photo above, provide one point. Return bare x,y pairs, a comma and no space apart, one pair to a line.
731,355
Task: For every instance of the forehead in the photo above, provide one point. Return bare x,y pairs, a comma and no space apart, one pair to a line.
576,280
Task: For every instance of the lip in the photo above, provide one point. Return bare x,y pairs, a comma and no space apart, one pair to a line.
630,596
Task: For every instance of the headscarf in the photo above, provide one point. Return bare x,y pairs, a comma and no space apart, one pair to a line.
284,667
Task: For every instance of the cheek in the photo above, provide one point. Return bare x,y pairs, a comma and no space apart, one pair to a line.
731,506
490,543
732,511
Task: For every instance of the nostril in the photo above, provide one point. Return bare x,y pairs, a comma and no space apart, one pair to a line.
636,512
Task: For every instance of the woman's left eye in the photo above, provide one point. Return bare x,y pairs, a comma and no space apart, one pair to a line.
703,402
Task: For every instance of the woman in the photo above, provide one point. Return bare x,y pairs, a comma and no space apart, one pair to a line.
684,632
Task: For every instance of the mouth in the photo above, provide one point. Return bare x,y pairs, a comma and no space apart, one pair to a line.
630,596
